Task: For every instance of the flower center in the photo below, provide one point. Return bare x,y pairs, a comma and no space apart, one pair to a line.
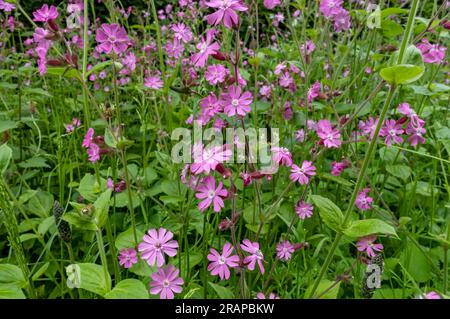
211,194
392,133
221,260
112,38
235,102
259,254
166,283
158,245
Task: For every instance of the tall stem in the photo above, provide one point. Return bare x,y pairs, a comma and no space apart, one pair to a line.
101,249
372,146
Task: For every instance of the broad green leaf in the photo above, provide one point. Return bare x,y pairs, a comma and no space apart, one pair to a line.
337,179
128,289
37,91
400,171
102,207
10,291
142,268
89,187
11,274
110,139
330,213
222,292
83,222
402,73
67,72
411,56
365,227
41,204
93,278
324,290
126,239
5,158
34,162
7,125
415,262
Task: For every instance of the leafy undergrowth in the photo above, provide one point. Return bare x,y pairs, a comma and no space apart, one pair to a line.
224,149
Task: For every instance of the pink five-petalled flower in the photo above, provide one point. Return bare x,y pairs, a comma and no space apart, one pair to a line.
432,53
45,13
210,194
331,137
367,244
256,256
206,48
390,131
281,156
302,174
304,209
156,244
234,102
220,262
128,257
166,282
226,11
260,295
206,159
363,201
285,250
112,37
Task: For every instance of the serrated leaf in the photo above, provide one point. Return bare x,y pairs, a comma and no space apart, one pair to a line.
365,227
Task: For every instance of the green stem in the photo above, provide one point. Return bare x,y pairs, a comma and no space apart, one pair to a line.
101,250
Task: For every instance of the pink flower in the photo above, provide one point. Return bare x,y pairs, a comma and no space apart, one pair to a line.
255,257
338,167
235,103
368,127
210,106
329,8
153,82
206,48
94,153
111,37
74,124
314,91
390,130
286,80
330,136
166,282
270,4
432,53
128,257
226,11
88,138
342,20
45,13
415,130
261,295
308,47
216,73
210,194
300,135
6,6
304,210
366,244
220,262
285,250
182,32
302,174
206,159
433,295
364,202
405,109
174,49
156,244
281,156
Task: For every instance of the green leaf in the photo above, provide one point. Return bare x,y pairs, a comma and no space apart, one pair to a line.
365,227
222,292
8,291
34,162
83,222
337,179
324,285
89,187
402,73
110,139
126,239
40,271
7,125
128,289
41,204
93,278
100,66
67,72
412,56
12,275
400,171
5,158
330,213
415,262
37,91
142,268
101,208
